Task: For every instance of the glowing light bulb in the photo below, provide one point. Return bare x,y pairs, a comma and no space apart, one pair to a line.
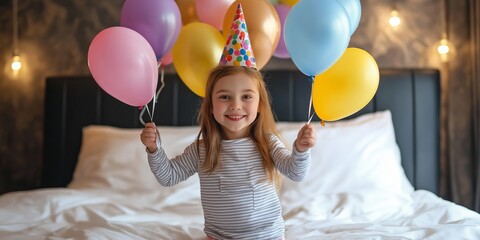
16,63
394,19
444,47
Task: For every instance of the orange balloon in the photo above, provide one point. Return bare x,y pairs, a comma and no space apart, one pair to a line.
188,11
289,2
263,26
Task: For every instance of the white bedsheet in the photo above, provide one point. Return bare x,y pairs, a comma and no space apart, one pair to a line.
102,214
356,189
429,217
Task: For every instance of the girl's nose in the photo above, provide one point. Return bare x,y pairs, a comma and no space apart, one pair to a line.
235,105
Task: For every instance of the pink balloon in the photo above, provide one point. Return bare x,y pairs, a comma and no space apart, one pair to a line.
281,50
167,59
212,11
124,65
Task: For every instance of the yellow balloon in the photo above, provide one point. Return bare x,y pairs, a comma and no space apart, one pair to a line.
197,51
347,86
289,2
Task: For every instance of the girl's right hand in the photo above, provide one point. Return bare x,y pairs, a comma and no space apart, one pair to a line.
149,137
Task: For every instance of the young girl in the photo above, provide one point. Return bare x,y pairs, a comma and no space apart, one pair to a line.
237,155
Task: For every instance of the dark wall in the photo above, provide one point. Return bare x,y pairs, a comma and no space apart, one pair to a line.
54,36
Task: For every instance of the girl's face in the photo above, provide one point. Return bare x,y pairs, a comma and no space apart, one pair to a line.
235,101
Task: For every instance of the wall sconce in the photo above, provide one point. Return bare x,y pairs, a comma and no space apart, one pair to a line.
16,63
394,19
444,47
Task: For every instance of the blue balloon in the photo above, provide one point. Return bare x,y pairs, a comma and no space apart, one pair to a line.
316,34
354,12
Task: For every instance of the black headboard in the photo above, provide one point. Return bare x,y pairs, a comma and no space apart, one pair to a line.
412,95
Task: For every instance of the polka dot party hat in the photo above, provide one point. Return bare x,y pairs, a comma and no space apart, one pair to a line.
238,49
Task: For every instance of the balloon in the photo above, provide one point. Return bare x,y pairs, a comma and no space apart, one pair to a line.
263,27
288,2
273,2
123,64
196,52
188,11
167,59
354,12
281,50
347,86
212,11
158,21
317,32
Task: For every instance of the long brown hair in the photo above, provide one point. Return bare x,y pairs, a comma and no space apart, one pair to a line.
260,130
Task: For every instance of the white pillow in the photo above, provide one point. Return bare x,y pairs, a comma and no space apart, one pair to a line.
358,156
115,158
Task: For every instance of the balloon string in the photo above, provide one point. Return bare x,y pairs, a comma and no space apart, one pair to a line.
151,119
150,115
310,114
140,117
162,82
310,119
155,98
153,104
159,63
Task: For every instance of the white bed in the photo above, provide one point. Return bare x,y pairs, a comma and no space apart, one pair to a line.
358,186
356,189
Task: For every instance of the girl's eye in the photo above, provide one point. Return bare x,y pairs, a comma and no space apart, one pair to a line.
247,97
224,97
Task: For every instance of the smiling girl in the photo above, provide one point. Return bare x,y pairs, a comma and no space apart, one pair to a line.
237,153
237,156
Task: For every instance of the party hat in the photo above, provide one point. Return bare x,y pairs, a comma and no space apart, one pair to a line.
238,49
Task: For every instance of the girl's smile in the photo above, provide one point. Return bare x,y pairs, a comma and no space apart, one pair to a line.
235,117
235,104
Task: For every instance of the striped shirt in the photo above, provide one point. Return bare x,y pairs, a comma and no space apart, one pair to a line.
238,201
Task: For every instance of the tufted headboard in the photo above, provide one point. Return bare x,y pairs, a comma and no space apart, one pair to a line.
412,95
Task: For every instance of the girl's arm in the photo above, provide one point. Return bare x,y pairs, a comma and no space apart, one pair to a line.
168,172
293,164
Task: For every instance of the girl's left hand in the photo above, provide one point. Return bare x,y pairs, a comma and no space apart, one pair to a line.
306,138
